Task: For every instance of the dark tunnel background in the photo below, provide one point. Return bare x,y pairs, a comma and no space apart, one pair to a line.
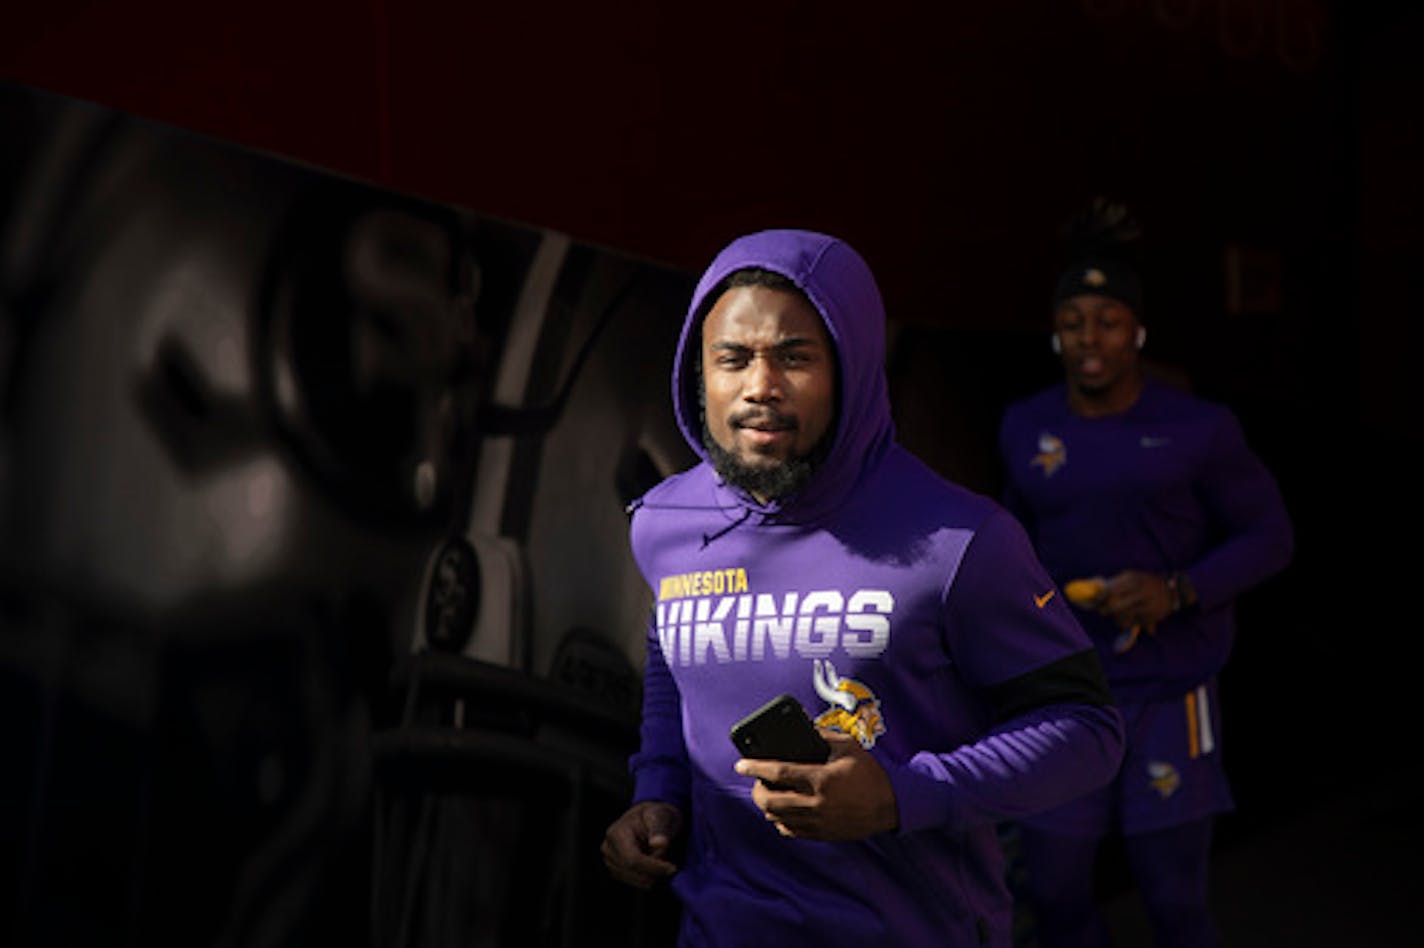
333,343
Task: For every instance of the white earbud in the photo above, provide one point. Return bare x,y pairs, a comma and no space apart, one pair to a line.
1055,344
1141,336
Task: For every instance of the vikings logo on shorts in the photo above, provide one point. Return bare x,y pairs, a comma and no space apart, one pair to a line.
1052,454
853,710
1163,777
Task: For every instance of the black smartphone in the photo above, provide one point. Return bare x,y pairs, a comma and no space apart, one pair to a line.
780,730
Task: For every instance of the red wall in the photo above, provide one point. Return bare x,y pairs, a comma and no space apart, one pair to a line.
948,146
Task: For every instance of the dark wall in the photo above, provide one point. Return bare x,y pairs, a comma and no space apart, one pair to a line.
948,144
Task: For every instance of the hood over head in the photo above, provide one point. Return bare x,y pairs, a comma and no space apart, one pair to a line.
839,284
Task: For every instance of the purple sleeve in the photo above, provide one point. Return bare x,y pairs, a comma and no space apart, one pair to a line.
1003,614
660,768
1008,621
1031,763
1246,505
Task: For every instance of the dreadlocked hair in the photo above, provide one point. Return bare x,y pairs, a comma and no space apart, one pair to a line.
1106,228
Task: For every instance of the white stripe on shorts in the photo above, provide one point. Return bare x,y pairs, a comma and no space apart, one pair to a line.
1208,740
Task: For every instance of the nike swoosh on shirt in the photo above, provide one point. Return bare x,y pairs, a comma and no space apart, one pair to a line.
1150,442
1042,601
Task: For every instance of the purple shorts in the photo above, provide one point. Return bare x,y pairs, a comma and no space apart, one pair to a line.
1171,772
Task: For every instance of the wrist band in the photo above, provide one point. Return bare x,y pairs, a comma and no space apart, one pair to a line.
1177,585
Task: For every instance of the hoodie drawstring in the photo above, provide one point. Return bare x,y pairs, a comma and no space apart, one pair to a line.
707,538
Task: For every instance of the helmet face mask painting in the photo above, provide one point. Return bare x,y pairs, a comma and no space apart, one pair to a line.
268,434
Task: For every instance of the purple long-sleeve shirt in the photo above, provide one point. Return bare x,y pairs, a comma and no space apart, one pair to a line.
895,606
1169,485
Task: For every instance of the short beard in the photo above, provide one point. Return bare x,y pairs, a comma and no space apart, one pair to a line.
775,481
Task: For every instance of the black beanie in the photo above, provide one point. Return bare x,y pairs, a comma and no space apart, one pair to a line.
1101,244
1103,275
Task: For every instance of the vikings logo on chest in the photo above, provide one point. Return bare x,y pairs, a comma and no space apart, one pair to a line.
1052,454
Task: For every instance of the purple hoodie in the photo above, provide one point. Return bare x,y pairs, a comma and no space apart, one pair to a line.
895,606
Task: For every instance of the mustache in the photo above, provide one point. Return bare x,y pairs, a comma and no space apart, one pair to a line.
764,418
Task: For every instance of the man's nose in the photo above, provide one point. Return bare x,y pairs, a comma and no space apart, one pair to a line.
763,380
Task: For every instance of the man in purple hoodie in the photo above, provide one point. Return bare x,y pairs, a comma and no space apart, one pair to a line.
810,554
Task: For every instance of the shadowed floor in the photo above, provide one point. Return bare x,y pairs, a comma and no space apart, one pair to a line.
1342,873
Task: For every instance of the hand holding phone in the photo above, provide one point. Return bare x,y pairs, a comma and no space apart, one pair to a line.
850,799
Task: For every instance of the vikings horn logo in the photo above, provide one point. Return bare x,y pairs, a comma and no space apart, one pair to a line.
853,710
1052,454
1163,778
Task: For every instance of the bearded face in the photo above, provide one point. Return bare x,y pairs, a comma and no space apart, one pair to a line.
769,389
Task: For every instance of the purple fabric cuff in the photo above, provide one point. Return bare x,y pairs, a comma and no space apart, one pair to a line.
665,782
921,801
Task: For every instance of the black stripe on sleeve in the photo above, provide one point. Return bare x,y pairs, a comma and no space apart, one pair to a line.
1077,679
